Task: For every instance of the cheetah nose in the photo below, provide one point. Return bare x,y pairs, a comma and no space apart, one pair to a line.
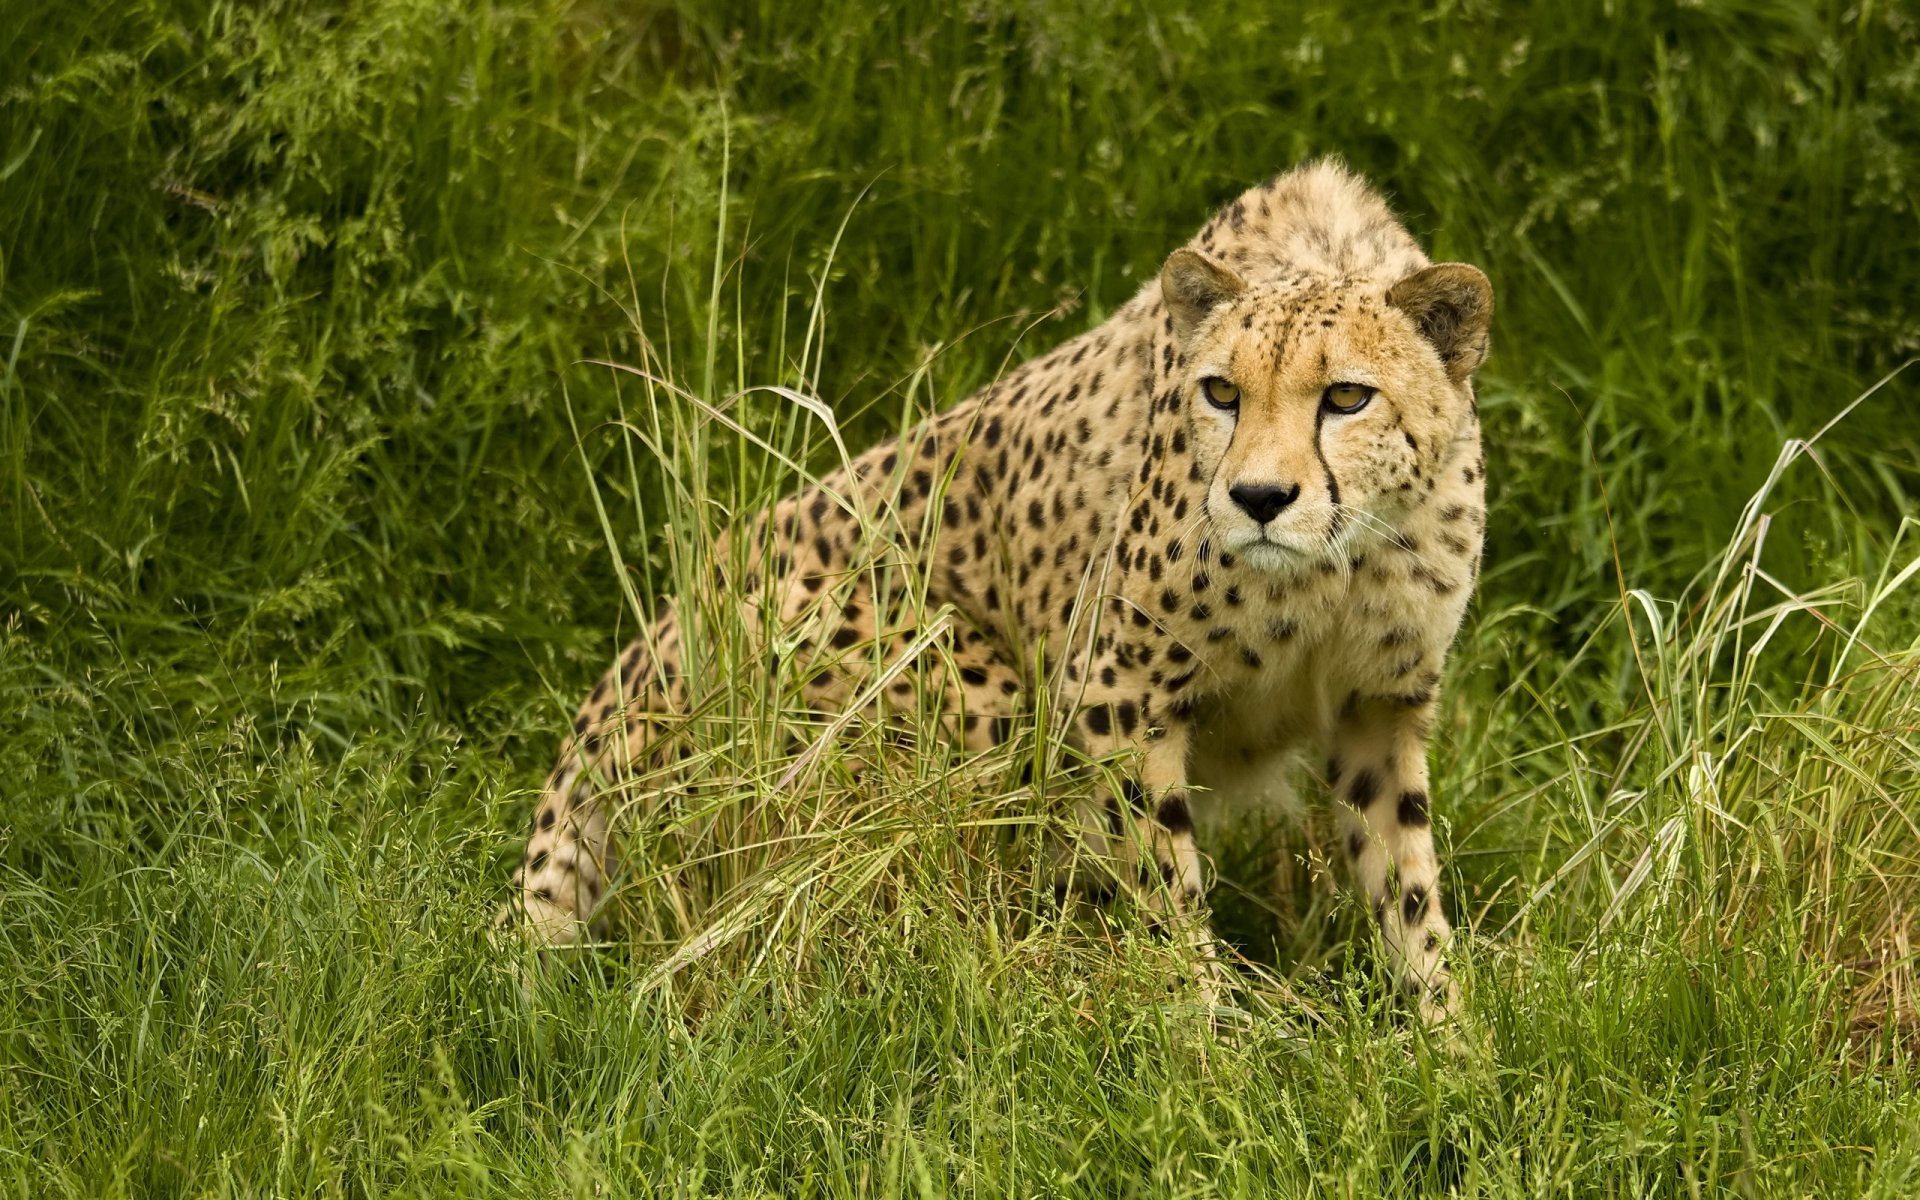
1263,501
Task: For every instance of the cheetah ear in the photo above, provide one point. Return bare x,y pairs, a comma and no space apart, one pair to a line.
1452,306
1193,285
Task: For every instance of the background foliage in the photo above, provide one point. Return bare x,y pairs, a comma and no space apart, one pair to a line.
301,568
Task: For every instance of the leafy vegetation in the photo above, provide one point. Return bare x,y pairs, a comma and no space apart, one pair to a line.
318,510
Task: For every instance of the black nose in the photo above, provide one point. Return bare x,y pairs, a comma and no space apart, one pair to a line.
1263,501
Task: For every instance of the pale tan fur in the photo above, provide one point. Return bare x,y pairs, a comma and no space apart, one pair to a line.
1092,508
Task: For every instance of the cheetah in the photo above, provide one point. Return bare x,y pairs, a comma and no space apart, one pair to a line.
1243,516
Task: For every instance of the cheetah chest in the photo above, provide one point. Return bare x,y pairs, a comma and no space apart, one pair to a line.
1281,654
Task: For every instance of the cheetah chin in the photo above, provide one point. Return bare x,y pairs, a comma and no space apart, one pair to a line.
1281,553
1239,520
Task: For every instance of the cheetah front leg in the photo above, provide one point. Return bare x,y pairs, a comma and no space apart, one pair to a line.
1146,832
1378,768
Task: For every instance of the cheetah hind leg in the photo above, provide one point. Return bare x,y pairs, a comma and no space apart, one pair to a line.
569,858
565,875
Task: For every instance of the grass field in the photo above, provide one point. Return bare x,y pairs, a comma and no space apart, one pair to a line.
317,516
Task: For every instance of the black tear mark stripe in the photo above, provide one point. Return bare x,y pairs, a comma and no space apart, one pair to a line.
1333,485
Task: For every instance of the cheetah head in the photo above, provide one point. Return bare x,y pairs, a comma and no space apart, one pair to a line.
1322,411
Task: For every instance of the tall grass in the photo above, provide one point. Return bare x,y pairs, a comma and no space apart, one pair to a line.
319,507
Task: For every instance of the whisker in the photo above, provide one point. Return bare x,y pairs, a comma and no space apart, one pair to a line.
1195,524
1366,519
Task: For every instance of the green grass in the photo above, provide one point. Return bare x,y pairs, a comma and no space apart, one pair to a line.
316,518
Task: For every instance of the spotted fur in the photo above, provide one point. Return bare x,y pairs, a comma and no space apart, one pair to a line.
1217,586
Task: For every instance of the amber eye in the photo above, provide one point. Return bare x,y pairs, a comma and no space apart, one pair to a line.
1347,397
1220,393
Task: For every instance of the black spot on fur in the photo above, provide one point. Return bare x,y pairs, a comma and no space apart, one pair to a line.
1414,905
1413,809
1173,813
1362,790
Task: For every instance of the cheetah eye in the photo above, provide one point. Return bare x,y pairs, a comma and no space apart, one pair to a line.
1347,397
1220,393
